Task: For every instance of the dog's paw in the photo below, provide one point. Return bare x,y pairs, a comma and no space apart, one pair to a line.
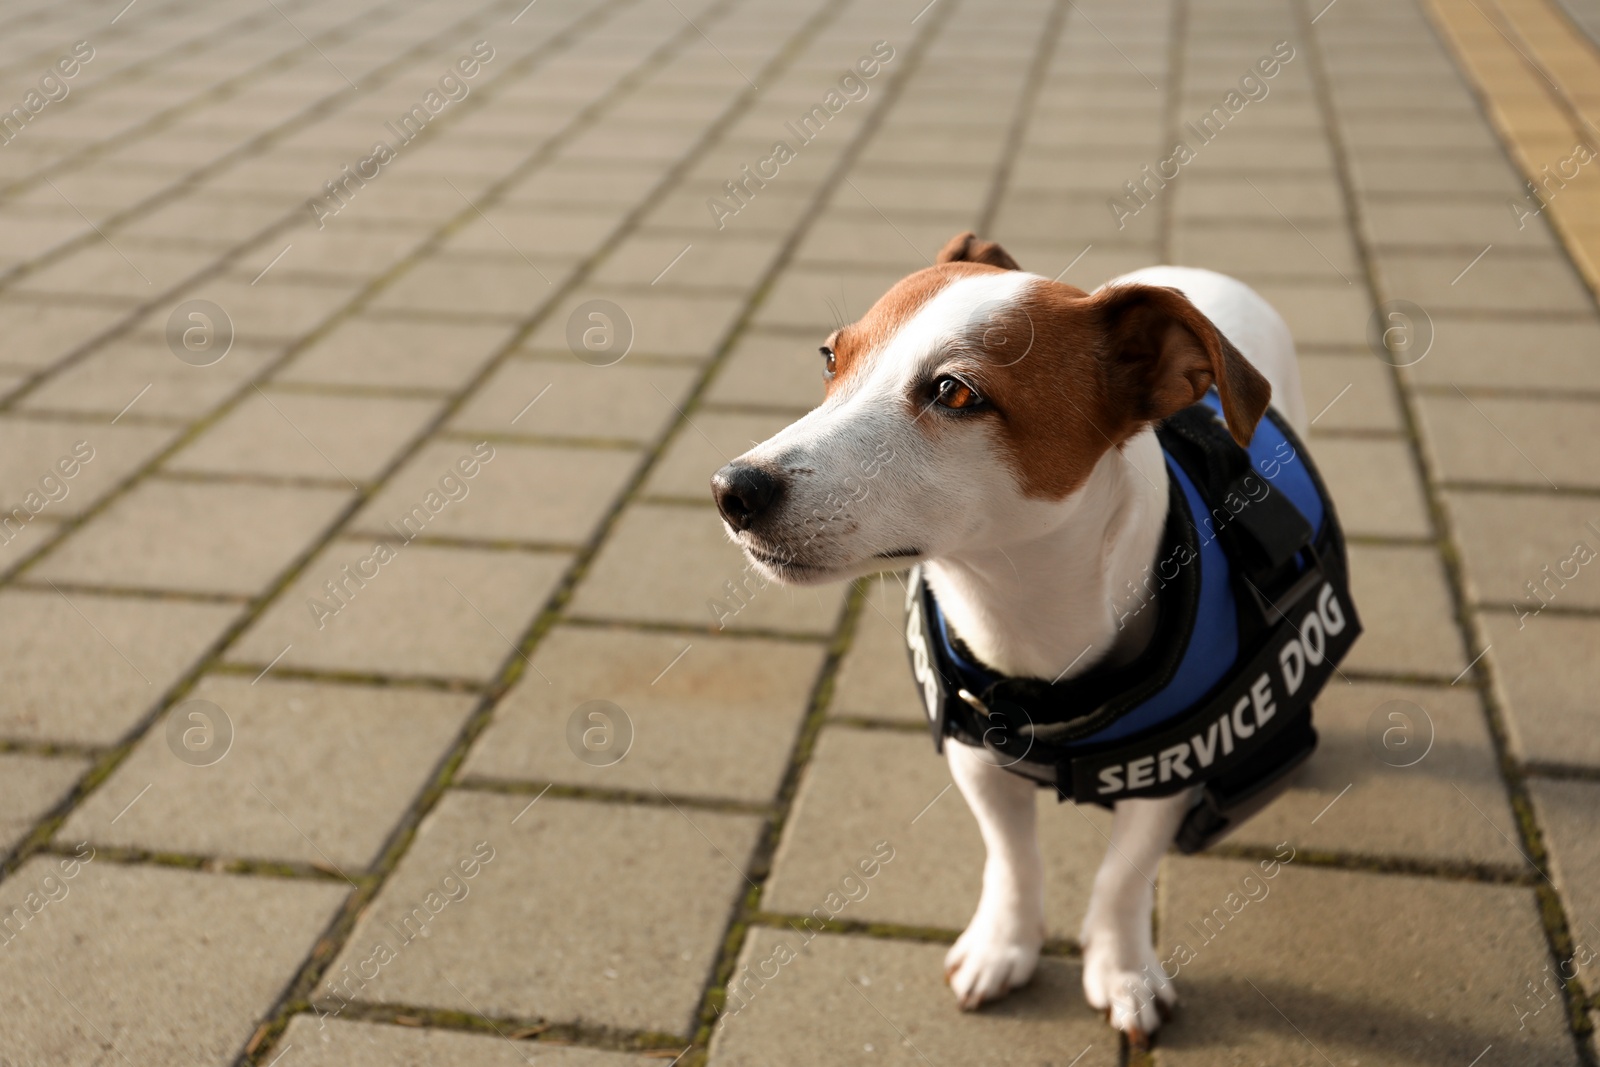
991,958
1129,987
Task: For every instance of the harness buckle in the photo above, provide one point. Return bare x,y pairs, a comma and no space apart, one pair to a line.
1271,614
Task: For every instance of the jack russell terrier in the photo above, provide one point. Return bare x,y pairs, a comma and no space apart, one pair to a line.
1130,580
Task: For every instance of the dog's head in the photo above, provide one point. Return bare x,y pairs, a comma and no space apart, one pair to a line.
965,410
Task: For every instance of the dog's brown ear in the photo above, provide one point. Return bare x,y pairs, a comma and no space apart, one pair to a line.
1162,355
966,248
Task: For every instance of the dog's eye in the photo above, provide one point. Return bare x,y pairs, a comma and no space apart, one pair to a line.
829,363
955,394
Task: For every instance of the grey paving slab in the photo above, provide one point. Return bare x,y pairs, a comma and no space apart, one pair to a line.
1320,313
726,261
605,914
663,324
874,680
116,376
1400,772
314,773
397,352
427,611
191,537
336,1043
1349,392
864,787
1510,282
1268,249
886,1002
823,298
61,467
1385,969
711,440
675,565
502,288
629,401
1545,673
1541,442
1526,552
1565,810
771,369
1504,352
521,492
304,435
713,717
1406,610
149,964
84,668
1375,485
268,312
1456,223
29,787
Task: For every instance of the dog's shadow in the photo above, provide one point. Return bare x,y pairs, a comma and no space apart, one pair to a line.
1285,1024
1273,1019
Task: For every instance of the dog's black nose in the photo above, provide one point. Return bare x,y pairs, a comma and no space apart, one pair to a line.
743,493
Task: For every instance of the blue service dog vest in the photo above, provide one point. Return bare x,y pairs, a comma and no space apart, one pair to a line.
1253,614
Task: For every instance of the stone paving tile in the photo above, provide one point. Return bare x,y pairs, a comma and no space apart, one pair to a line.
623,932
1406,611
1370,403
110,379
715,717
1525,442
710,440
83,668
396,353
847,804
156,965
727,262
335,1043
39,333
623,402
62,467
709,582
430,612
1349,967
1421,783
519,493
1546,677
772,369
315,773
293,434
193,537
821,299
270,311
1375,485
1267,250
1511,540
502,288
1565,810
874,679
31,786
1320,313
664,324
1506,352
886,1002
1520,283
565,233
1453,223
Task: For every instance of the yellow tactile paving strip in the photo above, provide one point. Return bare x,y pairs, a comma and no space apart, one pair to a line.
1539,79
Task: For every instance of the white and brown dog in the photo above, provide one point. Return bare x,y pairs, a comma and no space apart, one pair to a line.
1028,480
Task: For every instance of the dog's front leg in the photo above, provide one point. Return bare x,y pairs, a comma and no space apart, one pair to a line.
1000,947
1121,973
